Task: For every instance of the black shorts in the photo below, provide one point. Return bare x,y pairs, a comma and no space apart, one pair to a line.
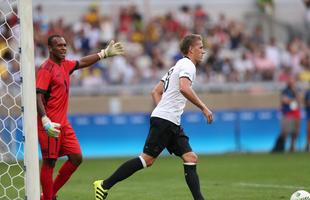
165,134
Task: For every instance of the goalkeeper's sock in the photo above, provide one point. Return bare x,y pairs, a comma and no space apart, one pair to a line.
63,176
46,178
192,180
124,171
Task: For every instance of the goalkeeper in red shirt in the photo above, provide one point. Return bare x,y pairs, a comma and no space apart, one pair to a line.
56,136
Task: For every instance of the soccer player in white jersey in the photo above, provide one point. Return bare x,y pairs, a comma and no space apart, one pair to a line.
170,96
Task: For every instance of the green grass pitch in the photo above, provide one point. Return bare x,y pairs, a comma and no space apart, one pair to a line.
228,176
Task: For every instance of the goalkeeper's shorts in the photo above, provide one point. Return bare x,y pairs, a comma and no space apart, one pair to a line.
66,143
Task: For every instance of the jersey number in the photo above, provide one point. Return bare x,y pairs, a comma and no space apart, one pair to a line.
167,79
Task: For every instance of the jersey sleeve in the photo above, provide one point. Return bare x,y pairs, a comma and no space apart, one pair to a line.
43,80
71,65
164,77
188,71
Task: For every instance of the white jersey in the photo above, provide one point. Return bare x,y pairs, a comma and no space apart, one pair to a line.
172,103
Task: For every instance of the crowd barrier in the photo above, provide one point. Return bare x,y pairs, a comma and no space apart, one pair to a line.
255,130
111,135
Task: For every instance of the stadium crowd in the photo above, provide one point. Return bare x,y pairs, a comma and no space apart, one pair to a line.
235,53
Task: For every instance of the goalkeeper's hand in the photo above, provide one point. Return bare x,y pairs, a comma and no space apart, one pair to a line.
113,49
50,127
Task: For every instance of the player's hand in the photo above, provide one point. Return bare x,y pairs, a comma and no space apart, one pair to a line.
113,49
50,127
208,114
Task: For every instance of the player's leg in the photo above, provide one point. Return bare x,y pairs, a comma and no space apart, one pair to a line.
124,171
127,169
308,136
66,170
46,178
279,145
70,147
50,150
154,145
190,160
295,132
180,146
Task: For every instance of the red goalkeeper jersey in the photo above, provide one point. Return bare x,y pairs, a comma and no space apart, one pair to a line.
53,80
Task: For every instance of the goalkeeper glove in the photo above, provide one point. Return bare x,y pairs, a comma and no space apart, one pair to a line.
113,49
50,127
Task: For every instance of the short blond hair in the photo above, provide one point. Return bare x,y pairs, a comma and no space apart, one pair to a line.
188,41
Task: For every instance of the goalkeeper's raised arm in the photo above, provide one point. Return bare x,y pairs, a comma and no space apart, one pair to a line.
113,49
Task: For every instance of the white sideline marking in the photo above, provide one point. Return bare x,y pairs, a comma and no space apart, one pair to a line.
258,185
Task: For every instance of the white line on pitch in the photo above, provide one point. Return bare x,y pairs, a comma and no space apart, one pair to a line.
258,185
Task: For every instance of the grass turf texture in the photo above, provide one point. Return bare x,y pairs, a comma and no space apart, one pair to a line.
228,176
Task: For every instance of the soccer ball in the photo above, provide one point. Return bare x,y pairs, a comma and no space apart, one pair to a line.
300,195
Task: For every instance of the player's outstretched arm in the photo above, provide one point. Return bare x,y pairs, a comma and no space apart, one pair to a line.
190,94
113,49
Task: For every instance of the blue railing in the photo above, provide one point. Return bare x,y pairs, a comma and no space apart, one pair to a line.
106,135
232,131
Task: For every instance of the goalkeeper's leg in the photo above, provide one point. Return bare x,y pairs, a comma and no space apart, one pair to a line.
46,178
124,171
65,172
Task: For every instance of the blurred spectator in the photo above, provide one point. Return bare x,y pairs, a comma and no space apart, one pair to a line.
222,21
285,74
56,27
221,36
235,50
273,52
295,55
200,13
121,72
137,19
245,67
229,71
3,79
153,33
158,61
201,18
3,72
170,25
266,6
82,42
264,65
290,122
125,21
304,75
235,34
40,20
257,38
185,18
3,46
93,35
307,108
12,19
170,47
107,29
93,79
92,16
144,70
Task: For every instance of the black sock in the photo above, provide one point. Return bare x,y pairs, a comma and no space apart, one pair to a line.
192,181
123,172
